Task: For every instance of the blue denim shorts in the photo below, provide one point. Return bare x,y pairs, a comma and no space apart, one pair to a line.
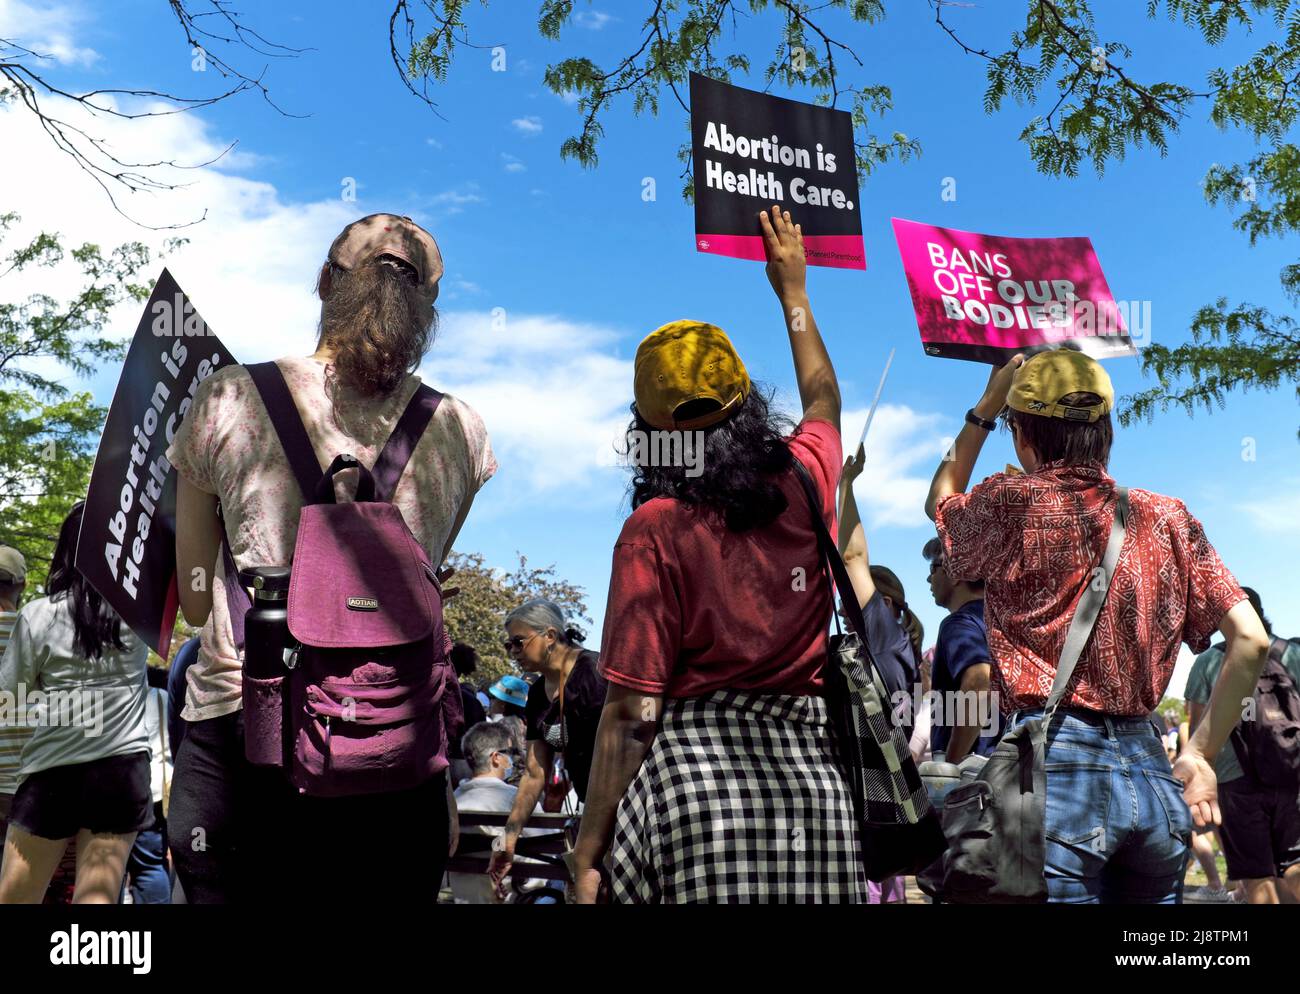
1117,828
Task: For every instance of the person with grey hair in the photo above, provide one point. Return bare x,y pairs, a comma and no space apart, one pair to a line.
562,714
491,751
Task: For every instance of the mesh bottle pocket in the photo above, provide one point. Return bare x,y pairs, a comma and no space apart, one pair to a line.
264,720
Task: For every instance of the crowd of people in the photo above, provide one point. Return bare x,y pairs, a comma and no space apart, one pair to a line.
695,756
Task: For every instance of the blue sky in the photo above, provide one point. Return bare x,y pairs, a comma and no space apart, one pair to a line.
555,273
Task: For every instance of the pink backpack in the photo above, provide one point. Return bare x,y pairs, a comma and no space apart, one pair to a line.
359,707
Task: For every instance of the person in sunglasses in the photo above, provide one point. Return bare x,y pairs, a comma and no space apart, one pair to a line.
561,715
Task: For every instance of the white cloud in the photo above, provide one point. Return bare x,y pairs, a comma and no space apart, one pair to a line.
570,97
450,202
433,143
1276,513
530,125
552,392
592,20
46,30
902,451
512,164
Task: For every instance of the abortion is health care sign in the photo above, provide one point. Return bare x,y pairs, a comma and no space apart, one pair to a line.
751,151
127,547
985,297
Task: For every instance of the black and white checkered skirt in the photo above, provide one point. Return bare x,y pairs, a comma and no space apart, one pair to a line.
739,800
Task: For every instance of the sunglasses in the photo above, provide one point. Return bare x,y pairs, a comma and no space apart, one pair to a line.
516,643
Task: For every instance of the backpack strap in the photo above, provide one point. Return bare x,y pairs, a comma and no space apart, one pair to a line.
288,426
401,444
292,433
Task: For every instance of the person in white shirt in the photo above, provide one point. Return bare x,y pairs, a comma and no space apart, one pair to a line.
491,752
84,773
13,736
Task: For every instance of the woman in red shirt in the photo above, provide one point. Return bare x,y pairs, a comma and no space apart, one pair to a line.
715,777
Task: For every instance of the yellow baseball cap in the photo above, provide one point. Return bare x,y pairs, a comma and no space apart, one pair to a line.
1043,379
686,361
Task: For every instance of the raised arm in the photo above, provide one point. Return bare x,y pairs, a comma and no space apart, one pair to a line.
852,536
787,269
955,470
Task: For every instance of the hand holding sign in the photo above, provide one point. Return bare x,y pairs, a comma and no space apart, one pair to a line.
854,464
787,269
995,393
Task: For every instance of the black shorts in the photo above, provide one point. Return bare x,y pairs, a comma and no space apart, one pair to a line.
110,795
1260,830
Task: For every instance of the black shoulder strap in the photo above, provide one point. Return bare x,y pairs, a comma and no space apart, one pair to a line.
401,444
838,575
288,425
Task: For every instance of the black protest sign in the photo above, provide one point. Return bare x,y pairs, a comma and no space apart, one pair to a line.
127,547
750,151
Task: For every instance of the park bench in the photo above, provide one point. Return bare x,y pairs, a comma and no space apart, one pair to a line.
547,847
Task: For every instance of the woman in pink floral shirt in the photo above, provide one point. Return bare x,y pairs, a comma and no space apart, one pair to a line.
377,318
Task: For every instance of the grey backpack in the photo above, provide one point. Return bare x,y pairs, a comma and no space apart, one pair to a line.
994,824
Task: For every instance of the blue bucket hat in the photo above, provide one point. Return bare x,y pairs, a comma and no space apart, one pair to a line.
511,690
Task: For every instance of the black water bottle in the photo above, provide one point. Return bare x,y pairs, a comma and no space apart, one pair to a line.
265,689
266,626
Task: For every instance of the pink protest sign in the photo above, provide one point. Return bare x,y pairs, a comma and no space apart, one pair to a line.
985,297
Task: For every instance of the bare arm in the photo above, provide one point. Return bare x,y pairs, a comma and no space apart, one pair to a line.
628,725
531,785
1244,658
819,390
852,536
198,536
974,679
954,472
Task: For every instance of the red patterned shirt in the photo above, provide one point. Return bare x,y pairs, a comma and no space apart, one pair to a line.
1035,539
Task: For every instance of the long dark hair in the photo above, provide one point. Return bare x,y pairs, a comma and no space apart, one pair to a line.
889,585
379,324
96,624
742,456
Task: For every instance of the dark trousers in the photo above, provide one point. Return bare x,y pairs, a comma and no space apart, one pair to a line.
240,833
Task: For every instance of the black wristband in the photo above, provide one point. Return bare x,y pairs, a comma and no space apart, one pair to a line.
974,419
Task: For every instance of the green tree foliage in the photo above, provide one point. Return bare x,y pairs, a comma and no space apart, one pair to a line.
674,39
1091,105
48,432
1098,106
475,616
